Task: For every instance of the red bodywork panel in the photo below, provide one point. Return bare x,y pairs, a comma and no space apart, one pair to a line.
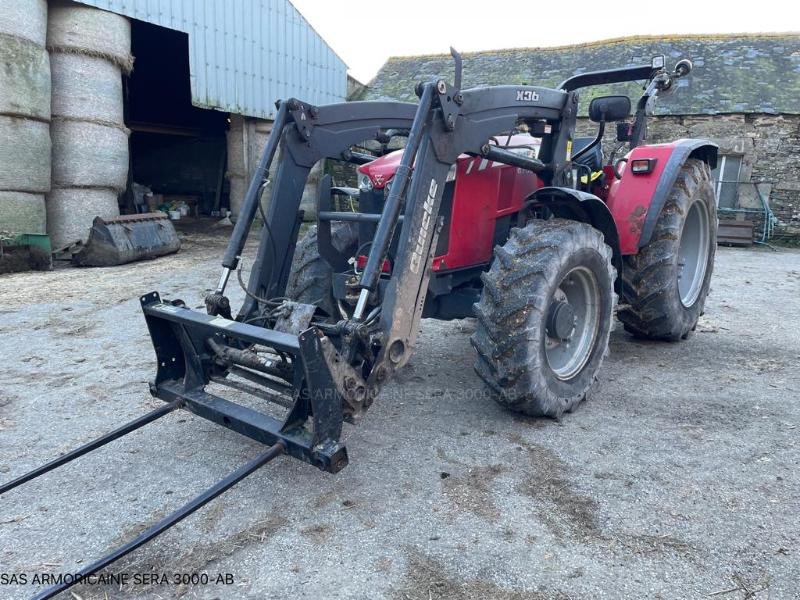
484,192
629,198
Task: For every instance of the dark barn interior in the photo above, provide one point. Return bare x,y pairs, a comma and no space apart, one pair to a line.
176,149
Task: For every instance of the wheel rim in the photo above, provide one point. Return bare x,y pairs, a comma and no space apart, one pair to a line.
568,349
693,254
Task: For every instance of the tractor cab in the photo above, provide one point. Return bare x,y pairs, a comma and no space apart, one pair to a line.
587,152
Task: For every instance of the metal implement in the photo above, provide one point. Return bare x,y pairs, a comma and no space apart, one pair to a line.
126,239
163,524
93,445
167,522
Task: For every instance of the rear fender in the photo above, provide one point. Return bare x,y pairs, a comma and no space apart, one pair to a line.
567,203
636,201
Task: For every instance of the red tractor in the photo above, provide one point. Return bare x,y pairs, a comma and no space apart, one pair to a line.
537,257
493,209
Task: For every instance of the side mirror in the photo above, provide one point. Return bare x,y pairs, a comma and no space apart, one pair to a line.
683,68
609,108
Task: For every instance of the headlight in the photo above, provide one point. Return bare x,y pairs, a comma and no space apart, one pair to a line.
364,183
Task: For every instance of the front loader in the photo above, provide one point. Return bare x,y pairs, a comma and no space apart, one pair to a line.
491,210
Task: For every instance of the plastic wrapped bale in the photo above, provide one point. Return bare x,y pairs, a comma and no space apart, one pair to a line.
24,78
71,211
26,19
86,88
88,154
78,29
21,212
24,155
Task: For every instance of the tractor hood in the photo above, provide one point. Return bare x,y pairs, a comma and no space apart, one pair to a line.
381,170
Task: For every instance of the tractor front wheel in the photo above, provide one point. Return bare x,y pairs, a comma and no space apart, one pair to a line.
311,278
544,316
664,286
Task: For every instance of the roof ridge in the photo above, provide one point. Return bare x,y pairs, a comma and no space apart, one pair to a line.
611,41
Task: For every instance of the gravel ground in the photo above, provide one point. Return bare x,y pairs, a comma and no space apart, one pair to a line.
678,478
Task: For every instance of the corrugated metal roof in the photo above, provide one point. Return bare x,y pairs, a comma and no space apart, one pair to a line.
245,54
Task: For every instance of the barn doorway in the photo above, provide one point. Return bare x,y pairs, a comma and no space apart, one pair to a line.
177,150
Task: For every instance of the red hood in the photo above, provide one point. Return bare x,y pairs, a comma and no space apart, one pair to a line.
381,170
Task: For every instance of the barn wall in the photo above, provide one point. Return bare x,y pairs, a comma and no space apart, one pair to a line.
767,143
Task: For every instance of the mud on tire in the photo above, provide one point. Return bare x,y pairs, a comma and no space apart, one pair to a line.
514,339
663,293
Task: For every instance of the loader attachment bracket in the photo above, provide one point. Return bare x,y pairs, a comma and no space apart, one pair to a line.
188,347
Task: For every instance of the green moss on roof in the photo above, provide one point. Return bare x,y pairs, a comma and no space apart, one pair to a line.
741,73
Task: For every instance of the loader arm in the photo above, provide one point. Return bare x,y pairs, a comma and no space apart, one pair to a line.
283,353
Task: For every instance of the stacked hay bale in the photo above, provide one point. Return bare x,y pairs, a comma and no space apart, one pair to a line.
24,116
89,51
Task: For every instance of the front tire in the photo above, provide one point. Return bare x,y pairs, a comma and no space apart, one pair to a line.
665,285
544,316
311,278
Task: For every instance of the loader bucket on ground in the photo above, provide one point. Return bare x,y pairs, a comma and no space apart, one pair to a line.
126,239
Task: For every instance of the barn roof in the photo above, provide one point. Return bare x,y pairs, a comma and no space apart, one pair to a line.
244,55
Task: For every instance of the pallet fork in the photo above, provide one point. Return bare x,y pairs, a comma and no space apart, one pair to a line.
282,352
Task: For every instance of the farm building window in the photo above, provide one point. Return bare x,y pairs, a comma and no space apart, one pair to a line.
726,180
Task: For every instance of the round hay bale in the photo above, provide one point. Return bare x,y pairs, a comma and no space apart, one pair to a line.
21,212
24,78
78,29
86,88
25,19
88,154
70,212
24,155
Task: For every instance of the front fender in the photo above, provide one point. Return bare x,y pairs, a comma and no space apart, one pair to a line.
636,201
568,203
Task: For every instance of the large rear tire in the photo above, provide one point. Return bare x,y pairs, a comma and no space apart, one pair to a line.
544,316
311,278
665,285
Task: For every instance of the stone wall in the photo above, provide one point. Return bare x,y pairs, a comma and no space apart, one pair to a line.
769,146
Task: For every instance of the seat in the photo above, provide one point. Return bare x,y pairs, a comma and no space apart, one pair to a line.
592,159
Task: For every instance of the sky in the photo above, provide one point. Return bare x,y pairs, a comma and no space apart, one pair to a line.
365,33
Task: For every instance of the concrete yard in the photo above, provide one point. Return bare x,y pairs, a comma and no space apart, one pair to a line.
678,478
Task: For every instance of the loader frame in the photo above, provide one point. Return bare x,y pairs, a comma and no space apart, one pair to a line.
330,380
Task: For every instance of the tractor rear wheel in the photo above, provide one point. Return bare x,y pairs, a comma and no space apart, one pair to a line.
664,286
544,316
311,277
